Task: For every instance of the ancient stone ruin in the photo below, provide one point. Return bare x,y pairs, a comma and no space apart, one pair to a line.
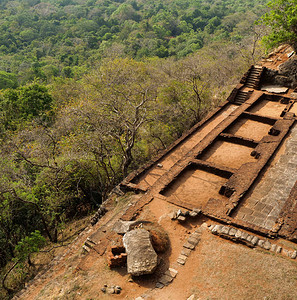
142,258
238,165
237,169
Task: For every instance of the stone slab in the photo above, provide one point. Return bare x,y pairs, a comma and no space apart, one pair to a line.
189,246
141,256
171,272
186,251
274,89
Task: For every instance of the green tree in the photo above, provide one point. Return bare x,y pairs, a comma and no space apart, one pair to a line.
8,80
282,19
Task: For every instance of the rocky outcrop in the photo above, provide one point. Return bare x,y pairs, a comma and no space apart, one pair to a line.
285,76
141,256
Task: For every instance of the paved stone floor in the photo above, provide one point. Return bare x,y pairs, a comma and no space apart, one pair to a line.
264,205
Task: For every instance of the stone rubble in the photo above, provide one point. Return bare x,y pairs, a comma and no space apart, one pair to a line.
182,216
250,240
166,278
114,289
189,245
98,215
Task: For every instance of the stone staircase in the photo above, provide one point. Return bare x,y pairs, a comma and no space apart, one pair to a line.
240,98
253,78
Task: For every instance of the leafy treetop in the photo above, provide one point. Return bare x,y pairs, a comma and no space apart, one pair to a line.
282,19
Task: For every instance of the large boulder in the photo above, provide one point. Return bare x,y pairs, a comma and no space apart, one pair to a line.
141,256
289,70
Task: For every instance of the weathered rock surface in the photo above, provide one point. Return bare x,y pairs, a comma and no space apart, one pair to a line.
122,227
141,256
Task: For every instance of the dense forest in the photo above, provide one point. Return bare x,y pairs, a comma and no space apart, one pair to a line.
90,90
49,38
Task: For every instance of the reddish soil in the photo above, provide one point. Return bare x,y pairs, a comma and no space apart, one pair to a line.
175,155
217,269
196,182
228,154
250,129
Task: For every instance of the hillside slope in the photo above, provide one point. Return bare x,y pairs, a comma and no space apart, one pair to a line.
239,247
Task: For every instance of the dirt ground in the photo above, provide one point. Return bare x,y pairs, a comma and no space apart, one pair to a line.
216,269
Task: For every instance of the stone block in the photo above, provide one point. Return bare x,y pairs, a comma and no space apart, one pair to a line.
192,297
244,235
286,252
165,279
172,215
189,246
245,210
259,206
193,214
294,254
261,243
267,245
278,249
211,227
171,272
181,219
232,231
273,247
181,256
258,214
196,235
249,218
159,285
217,229
238,234
193,240
254,240
186,251
198,230
181,261
249,238
225,230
